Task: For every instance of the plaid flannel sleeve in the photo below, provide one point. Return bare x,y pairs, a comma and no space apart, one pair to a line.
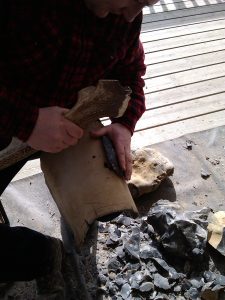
17,115
130,72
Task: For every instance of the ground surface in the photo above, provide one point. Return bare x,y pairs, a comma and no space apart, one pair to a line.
186,186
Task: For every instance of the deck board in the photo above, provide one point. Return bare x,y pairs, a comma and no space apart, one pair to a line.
185,77
186,63
181,30
192,14
182,110
174,130
185,40
183,20
185,93
184,43
184,51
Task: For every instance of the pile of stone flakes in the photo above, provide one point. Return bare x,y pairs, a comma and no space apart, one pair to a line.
159,256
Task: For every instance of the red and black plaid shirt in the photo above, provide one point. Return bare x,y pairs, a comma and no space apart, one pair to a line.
52,49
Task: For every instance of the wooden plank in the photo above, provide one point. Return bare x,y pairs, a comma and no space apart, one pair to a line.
188,63
185,51
202,12
196,3
174,130
185,93
161,7
185,3
173,113
185,40
183,20
166,33
185,77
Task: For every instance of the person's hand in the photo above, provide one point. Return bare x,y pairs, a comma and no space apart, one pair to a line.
53,132
121,138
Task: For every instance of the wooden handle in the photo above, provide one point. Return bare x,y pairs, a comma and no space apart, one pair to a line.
108,99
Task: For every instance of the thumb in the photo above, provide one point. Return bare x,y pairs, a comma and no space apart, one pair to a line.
99,132
63,110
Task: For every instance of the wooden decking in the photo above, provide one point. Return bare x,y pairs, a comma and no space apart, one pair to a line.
184,42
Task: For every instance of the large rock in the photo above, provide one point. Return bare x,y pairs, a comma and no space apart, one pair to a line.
216,229
150,168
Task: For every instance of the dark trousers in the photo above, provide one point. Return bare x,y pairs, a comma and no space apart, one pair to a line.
24,253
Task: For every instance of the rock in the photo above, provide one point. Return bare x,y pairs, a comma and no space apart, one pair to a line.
132,246
114,238
170,272
189,145
120,252
133,266
112,241
146,287
139,267
180,234
161,282
205,174
114,265
116,298
119,280
112,288
220,280
102,227
125,291
196,282
101,291
192,294
123,220
136,279
112,275
209,276
134,283
177,289
161,296
207,286
102,279
151,267
153,295
146,228
148,251
150,168
216,229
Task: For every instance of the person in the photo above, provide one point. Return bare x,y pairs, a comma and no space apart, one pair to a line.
49,51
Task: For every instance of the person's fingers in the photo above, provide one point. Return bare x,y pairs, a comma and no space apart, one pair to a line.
63,110
120,151
73,130
129,162
99,132
68,140
122,147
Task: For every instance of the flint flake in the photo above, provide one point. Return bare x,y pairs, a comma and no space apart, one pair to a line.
146,287
114,265
147,252
125,291
161,282
132,246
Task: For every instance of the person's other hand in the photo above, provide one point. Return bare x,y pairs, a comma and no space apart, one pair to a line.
121,138
53,132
